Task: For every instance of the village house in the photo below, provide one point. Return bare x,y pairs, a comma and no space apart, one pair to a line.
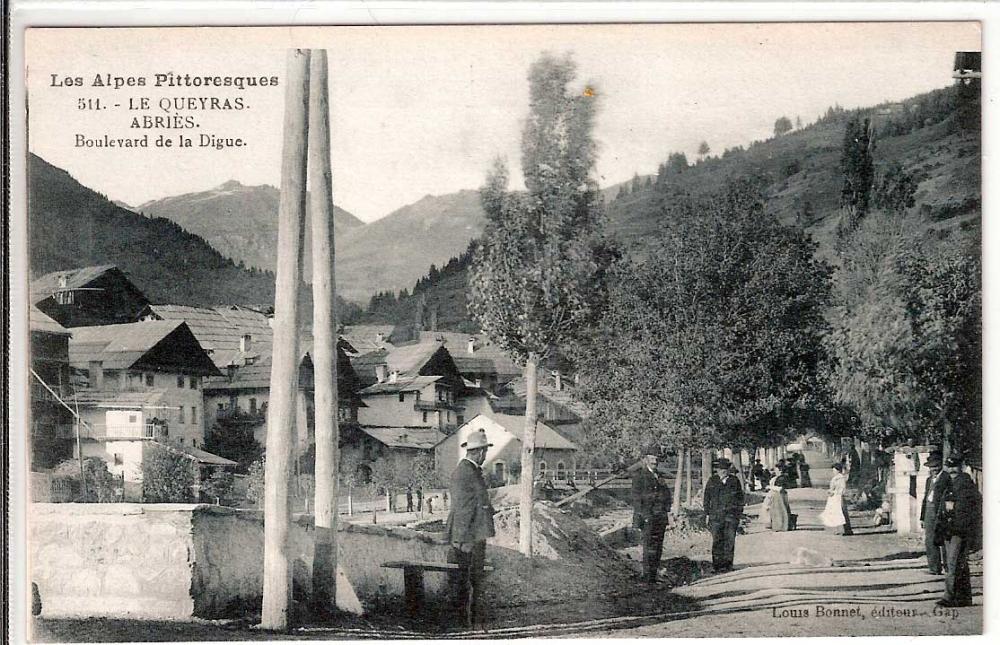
88,296
478,359
143,382
364,339
555,455
51,422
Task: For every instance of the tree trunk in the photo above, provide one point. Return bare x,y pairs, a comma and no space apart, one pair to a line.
350,501
678,481
324,354
528,452
690,476
277,592
738,463
706,468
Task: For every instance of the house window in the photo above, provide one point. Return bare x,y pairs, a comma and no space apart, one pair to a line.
180,381
194,414
64,297
461,419
194,442
498,470
193,383
133,418
449,416
149,379
560,470
253,405
180,415
119,459
401,397
542,466
425,416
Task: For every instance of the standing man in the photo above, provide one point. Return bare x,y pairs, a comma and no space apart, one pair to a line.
651,499
934,495
723,511
756,475
409,499
469,524
961,526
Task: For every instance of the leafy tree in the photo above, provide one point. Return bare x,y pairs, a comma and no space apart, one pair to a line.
782,125
703,149
385,478
906,339
537,275
715,340
168,476
894,189
255,482
234,441
218,485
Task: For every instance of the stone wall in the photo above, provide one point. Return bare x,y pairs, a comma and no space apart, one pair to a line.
175,561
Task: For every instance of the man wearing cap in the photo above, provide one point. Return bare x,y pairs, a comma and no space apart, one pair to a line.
930,510
469,524
651,499
723,501
960,520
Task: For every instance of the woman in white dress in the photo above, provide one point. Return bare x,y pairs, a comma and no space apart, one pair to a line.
834,516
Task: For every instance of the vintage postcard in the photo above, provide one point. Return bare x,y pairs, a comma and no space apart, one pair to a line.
504,331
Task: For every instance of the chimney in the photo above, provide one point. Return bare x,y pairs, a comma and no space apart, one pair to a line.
270,321
95,375
379,338
472,345
479,382
558,376
380,373
393,376
245,341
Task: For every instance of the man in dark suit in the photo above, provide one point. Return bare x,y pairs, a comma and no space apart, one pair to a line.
651,499
723,510
930,510
469,524
961,524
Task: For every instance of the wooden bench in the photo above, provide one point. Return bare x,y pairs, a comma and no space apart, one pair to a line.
413,579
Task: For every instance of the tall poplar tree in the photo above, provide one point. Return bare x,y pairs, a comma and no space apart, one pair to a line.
536,277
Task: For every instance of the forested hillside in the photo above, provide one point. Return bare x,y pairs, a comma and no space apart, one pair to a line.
70,226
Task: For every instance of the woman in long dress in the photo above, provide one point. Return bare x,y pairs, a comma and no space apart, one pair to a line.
778,509
834,516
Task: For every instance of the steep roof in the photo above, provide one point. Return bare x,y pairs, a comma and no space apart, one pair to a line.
486,358
197,454
46,285
40,322
220,329
364,338
402,384
418,438
127,345
410,359
545,437
117,399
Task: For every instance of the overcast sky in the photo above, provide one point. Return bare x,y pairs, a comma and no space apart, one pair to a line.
423,110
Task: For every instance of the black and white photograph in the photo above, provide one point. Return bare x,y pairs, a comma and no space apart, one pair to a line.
631,330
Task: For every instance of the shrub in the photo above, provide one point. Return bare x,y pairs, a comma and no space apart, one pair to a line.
167,476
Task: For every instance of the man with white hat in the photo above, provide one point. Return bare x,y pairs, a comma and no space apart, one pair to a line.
470,523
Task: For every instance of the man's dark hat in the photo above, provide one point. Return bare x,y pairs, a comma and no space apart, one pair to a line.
652,449
722,462
934,460
954,460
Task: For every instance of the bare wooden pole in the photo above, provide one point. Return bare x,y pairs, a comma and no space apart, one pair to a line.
324,354
678,480
528,452
284,362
